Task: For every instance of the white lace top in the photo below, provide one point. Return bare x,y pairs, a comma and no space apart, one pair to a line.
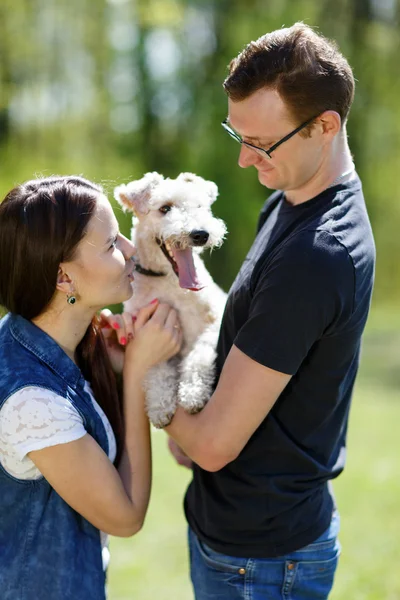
35,418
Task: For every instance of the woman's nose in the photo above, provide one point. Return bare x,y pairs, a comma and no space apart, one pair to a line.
129,249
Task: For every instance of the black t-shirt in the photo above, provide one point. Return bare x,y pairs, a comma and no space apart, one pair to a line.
298,305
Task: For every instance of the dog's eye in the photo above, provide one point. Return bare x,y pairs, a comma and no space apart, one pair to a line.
164,209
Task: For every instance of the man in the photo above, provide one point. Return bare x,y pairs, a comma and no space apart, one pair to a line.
262,517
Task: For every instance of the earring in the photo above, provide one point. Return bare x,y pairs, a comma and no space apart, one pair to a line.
71,299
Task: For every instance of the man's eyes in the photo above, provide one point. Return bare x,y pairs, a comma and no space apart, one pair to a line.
265,145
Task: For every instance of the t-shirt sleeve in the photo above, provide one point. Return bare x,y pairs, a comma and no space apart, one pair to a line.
34,418
299,296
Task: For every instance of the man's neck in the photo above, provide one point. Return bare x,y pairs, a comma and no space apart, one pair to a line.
338,167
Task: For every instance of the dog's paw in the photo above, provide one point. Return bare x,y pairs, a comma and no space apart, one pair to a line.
193,395
160,419
160,388
161,411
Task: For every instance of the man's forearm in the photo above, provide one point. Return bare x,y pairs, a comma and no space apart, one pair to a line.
185,429
198,437
245,394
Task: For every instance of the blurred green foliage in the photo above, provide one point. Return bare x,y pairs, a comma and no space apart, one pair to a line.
114,88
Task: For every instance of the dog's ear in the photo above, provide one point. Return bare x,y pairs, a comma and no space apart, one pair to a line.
188,177
209,186
135,196
212,190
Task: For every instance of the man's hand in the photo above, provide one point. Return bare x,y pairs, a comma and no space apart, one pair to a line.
179,455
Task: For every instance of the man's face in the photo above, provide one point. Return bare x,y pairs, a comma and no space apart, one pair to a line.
263,119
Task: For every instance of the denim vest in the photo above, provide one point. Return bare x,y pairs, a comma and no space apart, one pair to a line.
47,550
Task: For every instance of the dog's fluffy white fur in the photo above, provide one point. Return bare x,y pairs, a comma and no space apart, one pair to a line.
172,224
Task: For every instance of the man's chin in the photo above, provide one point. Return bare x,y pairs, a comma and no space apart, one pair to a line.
266,178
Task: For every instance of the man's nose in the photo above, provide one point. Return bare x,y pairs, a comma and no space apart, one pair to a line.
247,157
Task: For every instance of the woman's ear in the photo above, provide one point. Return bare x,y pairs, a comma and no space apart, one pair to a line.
64,282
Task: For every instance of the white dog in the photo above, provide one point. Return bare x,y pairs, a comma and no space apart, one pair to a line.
173,225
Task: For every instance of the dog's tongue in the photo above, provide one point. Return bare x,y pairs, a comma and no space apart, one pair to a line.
187,271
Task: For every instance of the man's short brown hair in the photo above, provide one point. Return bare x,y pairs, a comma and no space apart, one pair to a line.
305,68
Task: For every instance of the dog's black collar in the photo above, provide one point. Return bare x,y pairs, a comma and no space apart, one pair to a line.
148,272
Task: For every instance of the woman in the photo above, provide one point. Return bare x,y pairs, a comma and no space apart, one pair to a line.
62,425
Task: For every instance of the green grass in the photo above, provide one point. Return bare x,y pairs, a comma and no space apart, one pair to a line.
153,565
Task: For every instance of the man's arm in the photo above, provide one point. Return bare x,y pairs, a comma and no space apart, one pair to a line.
308,286
244,396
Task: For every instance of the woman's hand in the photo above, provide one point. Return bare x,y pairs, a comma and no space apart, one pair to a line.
157,337
117,331
155,332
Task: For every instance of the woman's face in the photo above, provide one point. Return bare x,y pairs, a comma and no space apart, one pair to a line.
101,272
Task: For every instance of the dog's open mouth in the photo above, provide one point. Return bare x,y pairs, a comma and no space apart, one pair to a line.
182,263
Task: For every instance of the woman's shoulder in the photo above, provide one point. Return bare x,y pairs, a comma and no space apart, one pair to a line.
34,417
38,406
22,365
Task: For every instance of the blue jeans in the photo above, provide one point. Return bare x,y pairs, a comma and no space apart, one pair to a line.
306,574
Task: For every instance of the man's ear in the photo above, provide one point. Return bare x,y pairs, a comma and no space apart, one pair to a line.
331,123
134,196
64,282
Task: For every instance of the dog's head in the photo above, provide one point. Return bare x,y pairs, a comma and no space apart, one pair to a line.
175,214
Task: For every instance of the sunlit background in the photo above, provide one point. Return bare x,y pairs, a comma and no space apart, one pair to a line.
112,89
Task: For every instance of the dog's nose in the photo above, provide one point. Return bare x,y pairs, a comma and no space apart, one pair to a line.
199,237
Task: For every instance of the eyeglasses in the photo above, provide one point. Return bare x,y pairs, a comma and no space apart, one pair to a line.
257,149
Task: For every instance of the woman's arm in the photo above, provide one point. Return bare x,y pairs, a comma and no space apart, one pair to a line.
113,500
81,473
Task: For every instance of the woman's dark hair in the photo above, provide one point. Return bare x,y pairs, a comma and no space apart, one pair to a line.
41,224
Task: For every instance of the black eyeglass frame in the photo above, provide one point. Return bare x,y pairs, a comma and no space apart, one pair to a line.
269,151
